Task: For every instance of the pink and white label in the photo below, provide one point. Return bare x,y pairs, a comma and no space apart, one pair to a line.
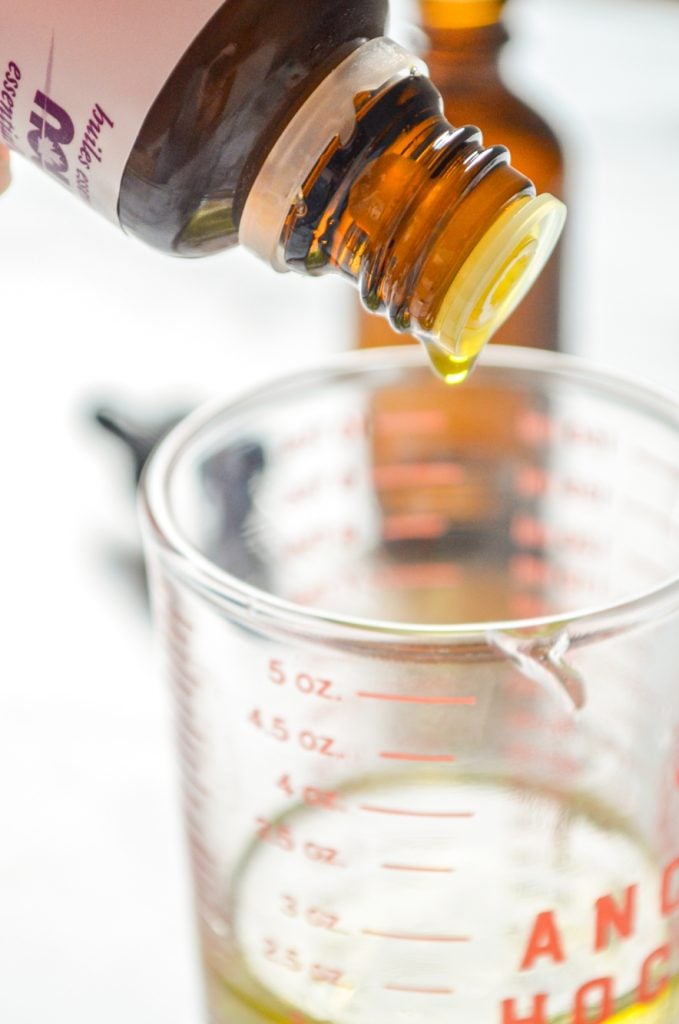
77,80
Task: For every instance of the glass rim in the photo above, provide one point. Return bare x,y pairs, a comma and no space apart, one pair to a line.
164,536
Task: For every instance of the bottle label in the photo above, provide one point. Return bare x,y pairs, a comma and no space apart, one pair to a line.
77,80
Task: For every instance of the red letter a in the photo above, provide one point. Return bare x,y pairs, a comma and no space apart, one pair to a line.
545,941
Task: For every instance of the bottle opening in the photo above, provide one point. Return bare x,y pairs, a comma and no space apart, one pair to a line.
496,276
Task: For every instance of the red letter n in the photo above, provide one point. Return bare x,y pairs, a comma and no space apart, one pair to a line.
612,917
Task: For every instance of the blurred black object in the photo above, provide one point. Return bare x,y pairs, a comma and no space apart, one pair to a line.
140,436
229,474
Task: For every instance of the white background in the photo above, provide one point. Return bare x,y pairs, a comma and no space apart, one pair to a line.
95,916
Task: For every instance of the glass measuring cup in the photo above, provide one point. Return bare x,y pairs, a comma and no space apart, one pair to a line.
424,643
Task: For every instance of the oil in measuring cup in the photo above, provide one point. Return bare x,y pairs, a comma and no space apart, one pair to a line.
425,891
426,897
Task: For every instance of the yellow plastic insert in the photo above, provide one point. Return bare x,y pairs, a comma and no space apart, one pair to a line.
494,279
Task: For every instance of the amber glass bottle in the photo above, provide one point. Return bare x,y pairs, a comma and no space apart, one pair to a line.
465,40
293,127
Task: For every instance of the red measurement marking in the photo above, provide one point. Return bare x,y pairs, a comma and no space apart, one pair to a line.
419,421
315,595
531,481
534,571
411,699
303,682
191,758
528,532
403,812
525,720
348,535
529,570
277,728
417,867
528,606
413,937
301,546
650,512
409,527
418,474
185,685
189,733
315,917
389,755
276,835
327,975
323,799
303,491
306,438
356,426
534,427
526,754
657,461
419,990
173,610
582,489
443,574
592,436
322,855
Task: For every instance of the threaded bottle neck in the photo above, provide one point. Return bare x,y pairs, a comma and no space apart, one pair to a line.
465,53
465,39
327,118
440,234
407,209
405,172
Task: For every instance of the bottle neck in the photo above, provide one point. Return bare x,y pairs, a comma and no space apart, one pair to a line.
440,234
462,52
327,119
449,15
465,41
406,174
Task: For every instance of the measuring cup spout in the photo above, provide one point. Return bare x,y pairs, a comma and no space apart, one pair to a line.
542,660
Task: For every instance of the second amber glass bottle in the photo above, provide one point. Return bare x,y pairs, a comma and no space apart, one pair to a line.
466,39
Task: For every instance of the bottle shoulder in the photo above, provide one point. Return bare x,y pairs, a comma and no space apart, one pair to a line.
467,67
531,119
507,120
485,89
